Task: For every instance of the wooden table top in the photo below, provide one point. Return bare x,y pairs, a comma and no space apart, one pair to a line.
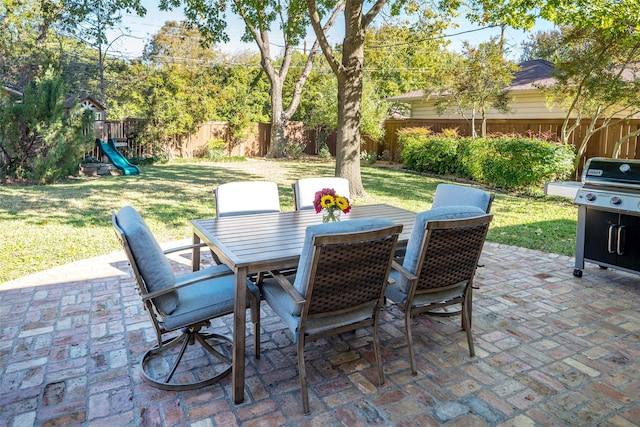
274,240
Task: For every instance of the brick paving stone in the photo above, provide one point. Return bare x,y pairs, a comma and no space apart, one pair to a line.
551,349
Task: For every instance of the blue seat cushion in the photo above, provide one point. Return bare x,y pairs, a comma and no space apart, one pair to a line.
397,295
153,265
205,300
419,228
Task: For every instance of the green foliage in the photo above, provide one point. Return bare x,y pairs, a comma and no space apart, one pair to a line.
504,162
215,149
476,82
515,162
436,154
39,140
368,158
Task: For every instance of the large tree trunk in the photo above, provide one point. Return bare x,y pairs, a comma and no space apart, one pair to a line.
278,121
350,101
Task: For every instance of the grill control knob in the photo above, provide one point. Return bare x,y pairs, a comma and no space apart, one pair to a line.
590,197
615,200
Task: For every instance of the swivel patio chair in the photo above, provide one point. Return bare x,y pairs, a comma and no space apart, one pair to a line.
186,303
456,195
246,198
339,287
304,190
438,271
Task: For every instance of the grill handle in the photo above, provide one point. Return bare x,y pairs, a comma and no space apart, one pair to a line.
611,243
621,236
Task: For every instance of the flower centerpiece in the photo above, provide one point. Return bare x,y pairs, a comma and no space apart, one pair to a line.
331,204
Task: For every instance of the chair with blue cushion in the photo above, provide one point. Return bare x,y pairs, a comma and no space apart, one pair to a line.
461,195
304,189
339,285
187,304
438,270
246,198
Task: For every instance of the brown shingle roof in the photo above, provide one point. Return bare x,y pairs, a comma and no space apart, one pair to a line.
529,76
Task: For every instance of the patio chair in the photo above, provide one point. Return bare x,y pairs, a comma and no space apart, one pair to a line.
339,287
246,198
453,194
438,271
186,303
304,190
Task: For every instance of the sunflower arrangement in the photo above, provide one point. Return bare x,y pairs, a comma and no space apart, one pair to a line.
331,204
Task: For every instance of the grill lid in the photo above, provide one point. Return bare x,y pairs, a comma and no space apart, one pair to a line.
603,171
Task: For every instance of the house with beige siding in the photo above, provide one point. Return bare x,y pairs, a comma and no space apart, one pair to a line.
529,114
527,102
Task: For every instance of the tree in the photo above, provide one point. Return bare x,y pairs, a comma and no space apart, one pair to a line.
39,140
541,45
347,65
259,17
596,60
23,32
402,56
176,43
477,82
180,83
88,21
596,79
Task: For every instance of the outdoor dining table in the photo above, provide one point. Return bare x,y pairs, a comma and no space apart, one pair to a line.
255,243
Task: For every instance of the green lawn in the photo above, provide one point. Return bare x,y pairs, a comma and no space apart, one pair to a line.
45,226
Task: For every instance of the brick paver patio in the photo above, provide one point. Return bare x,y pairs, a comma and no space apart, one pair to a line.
551,349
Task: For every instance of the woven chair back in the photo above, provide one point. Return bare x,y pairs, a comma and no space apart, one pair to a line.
350,271
451,251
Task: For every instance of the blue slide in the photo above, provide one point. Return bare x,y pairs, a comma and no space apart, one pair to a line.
111,151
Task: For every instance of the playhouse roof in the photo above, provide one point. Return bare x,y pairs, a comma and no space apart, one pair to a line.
69,102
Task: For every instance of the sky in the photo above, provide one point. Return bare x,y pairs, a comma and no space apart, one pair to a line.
141,29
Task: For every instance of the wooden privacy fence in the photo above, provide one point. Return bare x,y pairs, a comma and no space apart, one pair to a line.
601,143
256,144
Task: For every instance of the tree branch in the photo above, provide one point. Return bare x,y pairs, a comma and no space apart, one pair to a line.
321,37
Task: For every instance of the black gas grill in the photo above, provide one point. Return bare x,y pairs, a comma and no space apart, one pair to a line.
608,232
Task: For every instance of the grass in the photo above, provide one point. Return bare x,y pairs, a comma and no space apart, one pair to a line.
45,226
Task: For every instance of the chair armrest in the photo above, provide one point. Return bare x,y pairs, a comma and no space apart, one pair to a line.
400,269
183,248
191,278
286,285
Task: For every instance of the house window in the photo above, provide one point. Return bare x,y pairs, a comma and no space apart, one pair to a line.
98,115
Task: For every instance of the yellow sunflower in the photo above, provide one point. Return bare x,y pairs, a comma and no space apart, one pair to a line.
327,201
342,203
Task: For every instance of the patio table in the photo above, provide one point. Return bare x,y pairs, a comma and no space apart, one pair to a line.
255,243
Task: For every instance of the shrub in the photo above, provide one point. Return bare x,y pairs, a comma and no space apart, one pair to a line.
215,149
510,162
324,153
40,141
368,158
470,157
516,162
426,153
521,162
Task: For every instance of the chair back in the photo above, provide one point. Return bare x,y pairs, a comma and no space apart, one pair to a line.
349,271
453,195
246,198
151,268
304,190
450,252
